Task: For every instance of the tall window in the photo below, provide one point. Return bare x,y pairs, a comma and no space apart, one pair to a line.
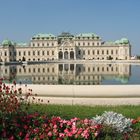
19,53
102,51
33,52
38,53
83,43
83,52
106,51
43,53
47,52
24,53
111,51
52,52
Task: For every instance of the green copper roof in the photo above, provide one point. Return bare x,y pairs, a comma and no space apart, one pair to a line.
65,34
87,35
117,42
43,35
122,41
22,44
7,42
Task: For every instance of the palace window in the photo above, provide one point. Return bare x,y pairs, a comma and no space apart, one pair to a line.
79,52
48,70
78,44
47,44
88,44
52,69
24,53
43,53
19,53
93,52
83,52
38,53
33,52
83,43
47,52
52,52
43,44
111,51
19,70
88,52
52,44
38,44
97,51
106,51
28,52
102,51
33,44
93,43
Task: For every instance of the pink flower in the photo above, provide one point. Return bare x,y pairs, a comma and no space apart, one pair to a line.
49,133
55,126
85,134
86,121
80,131
42,136
11,138
36,130
61,135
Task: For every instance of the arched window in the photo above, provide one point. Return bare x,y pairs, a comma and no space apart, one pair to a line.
66,55
71,55
60,55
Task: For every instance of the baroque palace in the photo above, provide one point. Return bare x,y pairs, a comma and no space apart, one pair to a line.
84,46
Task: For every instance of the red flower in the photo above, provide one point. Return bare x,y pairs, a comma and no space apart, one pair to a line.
134,121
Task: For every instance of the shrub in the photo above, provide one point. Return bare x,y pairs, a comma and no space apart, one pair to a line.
115,121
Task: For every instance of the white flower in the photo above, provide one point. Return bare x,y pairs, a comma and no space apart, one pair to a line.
114,120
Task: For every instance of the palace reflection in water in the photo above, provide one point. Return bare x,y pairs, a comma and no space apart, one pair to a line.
77,74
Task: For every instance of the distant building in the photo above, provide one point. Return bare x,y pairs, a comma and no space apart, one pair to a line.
65,46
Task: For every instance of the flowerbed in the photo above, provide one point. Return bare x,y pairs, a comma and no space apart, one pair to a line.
17,124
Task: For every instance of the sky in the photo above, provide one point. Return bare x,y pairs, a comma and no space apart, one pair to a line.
110,19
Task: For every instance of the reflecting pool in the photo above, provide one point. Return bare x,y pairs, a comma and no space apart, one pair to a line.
74,74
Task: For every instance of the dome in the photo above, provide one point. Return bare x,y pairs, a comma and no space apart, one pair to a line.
7,43
124,40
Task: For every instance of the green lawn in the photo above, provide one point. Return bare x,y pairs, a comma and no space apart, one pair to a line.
69,111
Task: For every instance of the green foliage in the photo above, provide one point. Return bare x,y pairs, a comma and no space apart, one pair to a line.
68,111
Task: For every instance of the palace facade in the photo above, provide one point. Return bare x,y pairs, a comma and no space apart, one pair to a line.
84,46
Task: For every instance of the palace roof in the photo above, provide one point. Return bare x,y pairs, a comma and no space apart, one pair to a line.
40,35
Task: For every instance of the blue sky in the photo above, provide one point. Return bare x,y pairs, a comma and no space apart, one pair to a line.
110,19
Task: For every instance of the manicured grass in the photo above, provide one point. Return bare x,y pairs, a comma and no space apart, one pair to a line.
68,111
